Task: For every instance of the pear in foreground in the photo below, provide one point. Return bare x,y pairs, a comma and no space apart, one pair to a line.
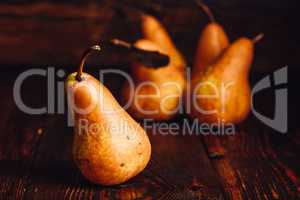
109,146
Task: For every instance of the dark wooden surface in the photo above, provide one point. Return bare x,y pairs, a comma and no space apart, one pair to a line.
35,157
54,33
35,160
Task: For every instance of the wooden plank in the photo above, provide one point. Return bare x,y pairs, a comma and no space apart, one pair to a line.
52,34
49,33
179,169
249,170
37,160
54,175
19,140
182,164
284,149
6,107
88,10
7,139
259,163
49,169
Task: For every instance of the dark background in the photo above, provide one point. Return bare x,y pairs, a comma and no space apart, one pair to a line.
41,33
55,33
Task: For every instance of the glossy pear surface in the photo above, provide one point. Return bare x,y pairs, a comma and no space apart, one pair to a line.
109,146
224,87
157,92
153,30
212,42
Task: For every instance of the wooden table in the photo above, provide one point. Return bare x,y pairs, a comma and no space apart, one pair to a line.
35,160
35,151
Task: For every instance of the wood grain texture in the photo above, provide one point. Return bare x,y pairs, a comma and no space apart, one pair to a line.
37,163
35,157
251,169
36,160
50,33
18,144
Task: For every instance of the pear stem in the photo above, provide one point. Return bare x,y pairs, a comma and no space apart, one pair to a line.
121,43
83,59
258,38
206,10
149,58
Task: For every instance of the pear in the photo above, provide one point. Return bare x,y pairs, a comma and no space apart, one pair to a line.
153,30
212,42
157,92
162,87
223,89
109,146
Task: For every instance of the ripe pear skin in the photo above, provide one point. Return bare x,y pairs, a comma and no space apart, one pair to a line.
109,147
163,88
212,42
153,30
227,79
